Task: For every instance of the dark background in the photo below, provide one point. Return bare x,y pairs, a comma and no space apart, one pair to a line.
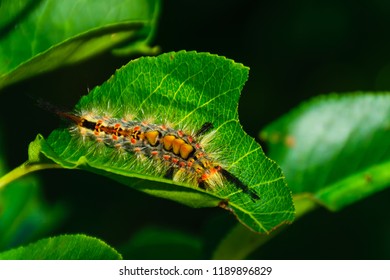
295,50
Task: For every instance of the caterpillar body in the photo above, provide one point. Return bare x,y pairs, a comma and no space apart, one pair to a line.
182,154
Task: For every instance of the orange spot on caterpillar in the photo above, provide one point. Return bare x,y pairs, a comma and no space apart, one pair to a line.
190,162
185,150
199,155
176,144
152,137
167,142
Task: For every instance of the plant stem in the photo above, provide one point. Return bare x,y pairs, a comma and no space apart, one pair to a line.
24,169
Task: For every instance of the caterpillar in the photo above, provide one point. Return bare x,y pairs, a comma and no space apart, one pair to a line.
182,154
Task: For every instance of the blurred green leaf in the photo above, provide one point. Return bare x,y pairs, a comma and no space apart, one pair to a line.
65,247
24,215
157,243
185,90
238,243
39,36
335,147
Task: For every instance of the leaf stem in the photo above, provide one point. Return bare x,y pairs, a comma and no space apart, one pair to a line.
24,169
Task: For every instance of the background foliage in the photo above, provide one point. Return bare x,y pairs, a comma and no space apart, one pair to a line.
296,50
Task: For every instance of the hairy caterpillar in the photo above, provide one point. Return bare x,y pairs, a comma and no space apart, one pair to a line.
181,153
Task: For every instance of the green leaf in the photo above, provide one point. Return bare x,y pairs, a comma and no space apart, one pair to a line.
65,247
24,214
39,36
182,90
335,147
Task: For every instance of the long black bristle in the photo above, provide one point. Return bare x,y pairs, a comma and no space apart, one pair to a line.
204,129
233,179
43,104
